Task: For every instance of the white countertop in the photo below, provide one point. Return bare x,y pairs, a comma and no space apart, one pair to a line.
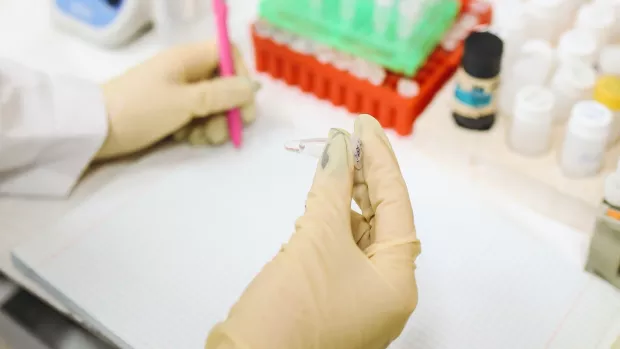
26,36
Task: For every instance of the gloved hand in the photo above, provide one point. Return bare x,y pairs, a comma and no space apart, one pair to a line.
344,280
175,91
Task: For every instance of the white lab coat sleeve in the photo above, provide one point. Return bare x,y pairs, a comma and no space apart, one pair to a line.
50,129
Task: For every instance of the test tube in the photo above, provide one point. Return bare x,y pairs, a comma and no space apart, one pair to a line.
347,9
408,15
382,15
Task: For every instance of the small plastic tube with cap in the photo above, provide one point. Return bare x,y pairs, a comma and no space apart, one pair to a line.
598,19
530,130
573,81
578,44
609,60
407,88
607,92
583,150
383,12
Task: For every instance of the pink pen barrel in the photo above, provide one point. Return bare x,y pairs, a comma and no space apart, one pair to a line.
227,67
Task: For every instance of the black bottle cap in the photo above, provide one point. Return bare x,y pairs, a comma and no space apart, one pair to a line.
483,55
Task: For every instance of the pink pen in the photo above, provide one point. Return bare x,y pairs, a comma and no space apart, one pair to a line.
227,68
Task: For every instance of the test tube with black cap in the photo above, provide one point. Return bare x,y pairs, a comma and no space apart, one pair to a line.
477,80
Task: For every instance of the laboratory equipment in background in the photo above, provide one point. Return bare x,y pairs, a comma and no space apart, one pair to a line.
398,35
108,23
607,92
604,253
181,21
477,79
354,82
530,129
573,81
586,138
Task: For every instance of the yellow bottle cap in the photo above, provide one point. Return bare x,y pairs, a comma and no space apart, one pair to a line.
607,92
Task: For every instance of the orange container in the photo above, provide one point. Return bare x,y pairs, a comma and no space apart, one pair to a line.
357,95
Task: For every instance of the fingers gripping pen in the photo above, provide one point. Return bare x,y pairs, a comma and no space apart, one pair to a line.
227,68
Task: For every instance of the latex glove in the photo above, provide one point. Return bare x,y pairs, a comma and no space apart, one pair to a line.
170,91
344,280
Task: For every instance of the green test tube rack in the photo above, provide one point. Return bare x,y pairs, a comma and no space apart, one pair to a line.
369,29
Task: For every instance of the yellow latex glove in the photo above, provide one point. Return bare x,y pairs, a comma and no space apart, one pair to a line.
175,91
344,280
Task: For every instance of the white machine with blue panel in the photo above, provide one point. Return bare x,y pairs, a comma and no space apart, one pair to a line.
106,22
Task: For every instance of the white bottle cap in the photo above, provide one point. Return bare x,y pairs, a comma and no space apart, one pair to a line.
590,119
577,44
595,16
609,60
407,88
573,77
534,104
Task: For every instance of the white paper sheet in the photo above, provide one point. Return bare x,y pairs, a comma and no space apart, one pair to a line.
160,262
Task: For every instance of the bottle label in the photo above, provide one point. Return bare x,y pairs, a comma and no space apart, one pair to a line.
474,98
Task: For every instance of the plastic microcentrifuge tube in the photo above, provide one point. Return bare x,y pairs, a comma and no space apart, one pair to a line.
598,19
609,60
530,132
573,81
407,88
315,147
578,44
382,15
586,139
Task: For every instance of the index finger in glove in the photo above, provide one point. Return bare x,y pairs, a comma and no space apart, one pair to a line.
328,205
200,60
388,195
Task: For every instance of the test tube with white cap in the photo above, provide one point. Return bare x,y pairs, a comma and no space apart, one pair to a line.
573,81
578,44
584,146
598,19
382,14
530,131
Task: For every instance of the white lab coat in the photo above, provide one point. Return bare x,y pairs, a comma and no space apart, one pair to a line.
50,129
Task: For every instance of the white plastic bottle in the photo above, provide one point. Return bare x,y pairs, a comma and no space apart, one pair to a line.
544,19
102,23
584,145
609,60
598,19
533,66
578,44
612,187
530,130
573,81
